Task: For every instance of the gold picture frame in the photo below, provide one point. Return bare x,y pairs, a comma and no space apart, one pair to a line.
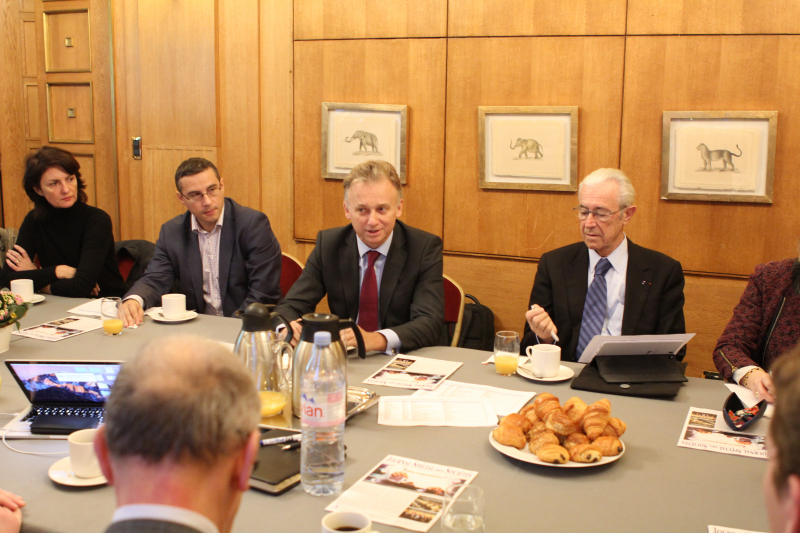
699,160
547,140
381,131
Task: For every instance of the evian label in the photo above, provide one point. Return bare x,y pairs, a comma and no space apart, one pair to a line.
322,410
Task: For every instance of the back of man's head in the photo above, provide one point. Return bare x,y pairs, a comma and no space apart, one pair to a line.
785,426
181,399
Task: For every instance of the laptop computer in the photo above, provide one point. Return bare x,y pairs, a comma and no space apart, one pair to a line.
68,394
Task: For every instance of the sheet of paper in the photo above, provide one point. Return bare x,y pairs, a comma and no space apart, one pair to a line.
504,401
634,345
720,529
748,398
522,359
402,492
411,411
706,430
90,308
60,329
412,372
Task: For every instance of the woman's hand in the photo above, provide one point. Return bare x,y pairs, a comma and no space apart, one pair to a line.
65,272
10,512
18,259
760,382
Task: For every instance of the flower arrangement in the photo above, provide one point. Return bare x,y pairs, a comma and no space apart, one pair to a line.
12,309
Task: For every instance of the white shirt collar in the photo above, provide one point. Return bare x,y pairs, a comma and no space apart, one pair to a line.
197,228
167,513
383,248
618,258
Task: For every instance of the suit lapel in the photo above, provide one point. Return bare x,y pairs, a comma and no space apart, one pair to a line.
226,245
195,264
638,281
576,275
392,268
349,269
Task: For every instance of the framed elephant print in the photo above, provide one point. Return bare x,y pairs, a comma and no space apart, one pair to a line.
528,148
718,156
353,133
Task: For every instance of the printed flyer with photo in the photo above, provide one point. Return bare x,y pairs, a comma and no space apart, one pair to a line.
706,430
720,529
411,372
60,329
402,492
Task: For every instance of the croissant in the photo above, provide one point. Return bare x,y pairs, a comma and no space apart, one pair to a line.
542,439
560,424
553,453
545,405
608,446
509,435
585,453
536,428
615,428
595,418
600,406
516,419
529,412
575,439
574,408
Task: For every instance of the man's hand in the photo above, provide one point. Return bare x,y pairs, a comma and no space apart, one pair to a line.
373,341
760,382
131,313
296,328
541,324
18,259
96,290
65,272
10,512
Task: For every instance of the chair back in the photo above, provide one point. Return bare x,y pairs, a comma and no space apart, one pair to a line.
133,256
8,237
453,308
291,268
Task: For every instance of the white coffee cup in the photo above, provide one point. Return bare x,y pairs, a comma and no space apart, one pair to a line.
346,521
23,288
81,454
545,360
173,305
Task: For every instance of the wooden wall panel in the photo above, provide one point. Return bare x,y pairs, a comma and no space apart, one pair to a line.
713,16
27,6
348,19
73,25
29,47
704,73
86,161
239,120
32,120
538,71
535,17
405,71
66,98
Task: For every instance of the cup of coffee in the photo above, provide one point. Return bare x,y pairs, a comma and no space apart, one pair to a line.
173,305
23,288
346,521
81,454
545,360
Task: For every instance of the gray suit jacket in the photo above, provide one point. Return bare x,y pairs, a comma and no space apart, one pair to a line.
249,262
653,294
412,288
149,526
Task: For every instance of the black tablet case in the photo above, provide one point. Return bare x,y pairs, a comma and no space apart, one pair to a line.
276,470
590,380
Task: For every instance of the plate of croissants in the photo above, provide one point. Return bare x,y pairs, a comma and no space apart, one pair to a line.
575,435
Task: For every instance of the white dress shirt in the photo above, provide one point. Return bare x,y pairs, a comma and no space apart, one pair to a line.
167,513
393,344
208,241
615,285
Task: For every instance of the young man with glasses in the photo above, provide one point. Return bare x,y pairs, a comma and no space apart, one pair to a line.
223,256
605,285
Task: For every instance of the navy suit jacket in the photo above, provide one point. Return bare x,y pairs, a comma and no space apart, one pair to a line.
412,288
249,262
653,294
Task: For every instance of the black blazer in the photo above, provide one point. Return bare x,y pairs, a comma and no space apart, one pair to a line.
653,294
411,292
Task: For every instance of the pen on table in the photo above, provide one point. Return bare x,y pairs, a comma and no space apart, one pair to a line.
552,332
292,446
281,440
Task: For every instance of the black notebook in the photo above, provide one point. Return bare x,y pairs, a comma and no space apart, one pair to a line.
277,470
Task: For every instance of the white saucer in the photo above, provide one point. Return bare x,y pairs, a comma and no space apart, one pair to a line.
564,373
61,472
158,317
37,298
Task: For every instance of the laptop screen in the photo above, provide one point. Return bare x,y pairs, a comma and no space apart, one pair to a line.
67,383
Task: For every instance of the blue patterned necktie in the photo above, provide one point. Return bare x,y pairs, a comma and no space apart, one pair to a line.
594,310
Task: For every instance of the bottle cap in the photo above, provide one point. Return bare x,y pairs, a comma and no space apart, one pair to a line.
322,338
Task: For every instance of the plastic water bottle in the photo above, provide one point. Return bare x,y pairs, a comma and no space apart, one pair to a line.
323,400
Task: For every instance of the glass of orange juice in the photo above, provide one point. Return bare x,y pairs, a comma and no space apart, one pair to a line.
506,352
109,313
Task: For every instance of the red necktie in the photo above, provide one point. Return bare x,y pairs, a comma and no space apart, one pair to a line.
368,301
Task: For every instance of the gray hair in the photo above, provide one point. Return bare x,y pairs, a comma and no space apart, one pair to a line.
181,397
626,195
373,171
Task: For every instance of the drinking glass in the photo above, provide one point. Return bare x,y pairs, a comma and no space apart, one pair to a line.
506,353
109,313
463,509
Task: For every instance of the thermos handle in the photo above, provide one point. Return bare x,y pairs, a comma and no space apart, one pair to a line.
345,323
276,320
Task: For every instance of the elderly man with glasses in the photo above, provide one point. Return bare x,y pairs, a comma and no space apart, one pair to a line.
605,285
222,256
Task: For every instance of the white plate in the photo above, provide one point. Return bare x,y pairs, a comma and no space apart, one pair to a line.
158,317
37,298
61,472
525,455
564,373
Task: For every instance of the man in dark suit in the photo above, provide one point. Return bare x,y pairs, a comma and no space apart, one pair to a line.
180,438
638,291
377,270
224,256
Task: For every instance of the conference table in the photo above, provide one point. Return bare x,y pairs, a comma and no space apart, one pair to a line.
655,486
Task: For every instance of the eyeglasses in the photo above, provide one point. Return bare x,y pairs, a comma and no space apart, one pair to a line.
600,215
196,196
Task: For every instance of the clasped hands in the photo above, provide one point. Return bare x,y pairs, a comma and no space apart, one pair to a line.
373,341
19,261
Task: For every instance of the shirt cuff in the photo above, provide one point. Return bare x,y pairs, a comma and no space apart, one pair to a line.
393,344
739,374
137,298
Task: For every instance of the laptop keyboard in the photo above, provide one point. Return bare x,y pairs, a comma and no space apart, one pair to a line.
99,412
